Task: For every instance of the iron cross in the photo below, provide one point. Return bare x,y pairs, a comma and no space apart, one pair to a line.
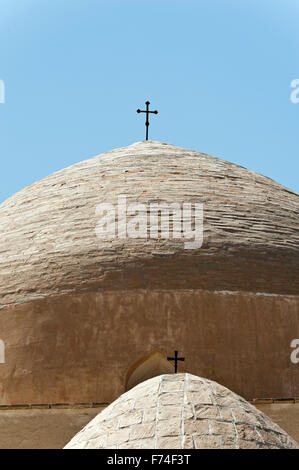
147,111
175,359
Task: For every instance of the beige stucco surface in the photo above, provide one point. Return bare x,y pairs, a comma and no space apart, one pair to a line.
80,348
41,428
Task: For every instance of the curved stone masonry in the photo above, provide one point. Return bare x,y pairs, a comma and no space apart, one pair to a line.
49,246
181,411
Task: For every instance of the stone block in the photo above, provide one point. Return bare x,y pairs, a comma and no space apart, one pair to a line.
247,432
171,398
142,431
196,426
206,411
200,398
149,415
118,437
207,442
129,418
170,411
170,427
172,386
169,442
222,427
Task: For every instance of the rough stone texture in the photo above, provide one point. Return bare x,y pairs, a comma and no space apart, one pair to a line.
243,427
49,245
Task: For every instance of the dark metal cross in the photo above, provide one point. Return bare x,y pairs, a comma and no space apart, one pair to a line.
175,359
147,111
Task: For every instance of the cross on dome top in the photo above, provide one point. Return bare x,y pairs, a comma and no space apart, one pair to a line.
147,111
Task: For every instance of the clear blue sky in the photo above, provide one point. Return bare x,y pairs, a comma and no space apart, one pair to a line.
218,71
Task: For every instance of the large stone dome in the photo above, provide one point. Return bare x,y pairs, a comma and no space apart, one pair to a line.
181,411
49,246
79,313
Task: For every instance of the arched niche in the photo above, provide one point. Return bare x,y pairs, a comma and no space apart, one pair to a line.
2,352
149,366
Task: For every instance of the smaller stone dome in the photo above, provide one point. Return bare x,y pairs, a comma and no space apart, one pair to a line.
181,411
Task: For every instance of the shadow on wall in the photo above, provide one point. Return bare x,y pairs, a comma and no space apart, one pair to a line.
149,366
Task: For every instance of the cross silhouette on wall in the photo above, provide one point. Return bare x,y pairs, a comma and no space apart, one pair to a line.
175,359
